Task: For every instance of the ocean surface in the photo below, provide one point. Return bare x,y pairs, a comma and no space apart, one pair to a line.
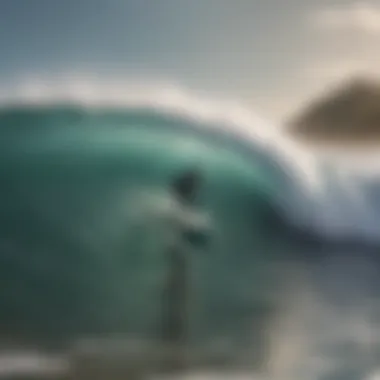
287,286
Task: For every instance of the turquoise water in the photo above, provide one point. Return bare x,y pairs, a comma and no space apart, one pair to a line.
87,216
83,200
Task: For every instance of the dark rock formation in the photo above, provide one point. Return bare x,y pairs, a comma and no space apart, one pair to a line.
349,113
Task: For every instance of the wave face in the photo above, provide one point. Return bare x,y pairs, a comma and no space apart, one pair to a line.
87,215
84,203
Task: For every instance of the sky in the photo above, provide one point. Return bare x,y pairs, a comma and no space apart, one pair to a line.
273,55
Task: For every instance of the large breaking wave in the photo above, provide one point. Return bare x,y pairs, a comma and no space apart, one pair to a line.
84,174
334,195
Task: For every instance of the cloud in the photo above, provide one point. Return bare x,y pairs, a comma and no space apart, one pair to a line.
363,17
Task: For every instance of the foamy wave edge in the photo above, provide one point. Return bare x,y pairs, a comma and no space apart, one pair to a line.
93,92
323,197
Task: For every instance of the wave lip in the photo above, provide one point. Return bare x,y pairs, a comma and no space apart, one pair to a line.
313,191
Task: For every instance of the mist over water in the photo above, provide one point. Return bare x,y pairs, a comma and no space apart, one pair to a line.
288,286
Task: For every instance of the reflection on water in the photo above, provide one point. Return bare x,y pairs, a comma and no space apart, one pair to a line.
317,331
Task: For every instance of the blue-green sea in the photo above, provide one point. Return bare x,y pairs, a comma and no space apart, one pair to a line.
87,214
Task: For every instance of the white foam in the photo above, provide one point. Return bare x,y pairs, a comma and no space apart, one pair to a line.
89,91
332,192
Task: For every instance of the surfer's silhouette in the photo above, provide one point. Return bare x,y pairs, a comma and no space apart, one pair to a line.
175,327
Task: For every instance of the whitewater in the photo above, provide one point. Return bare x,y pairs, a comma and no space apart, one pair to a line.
67,145
334,185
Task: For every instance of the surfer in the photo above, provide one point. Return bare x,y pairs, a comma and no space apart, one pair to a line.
176,289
